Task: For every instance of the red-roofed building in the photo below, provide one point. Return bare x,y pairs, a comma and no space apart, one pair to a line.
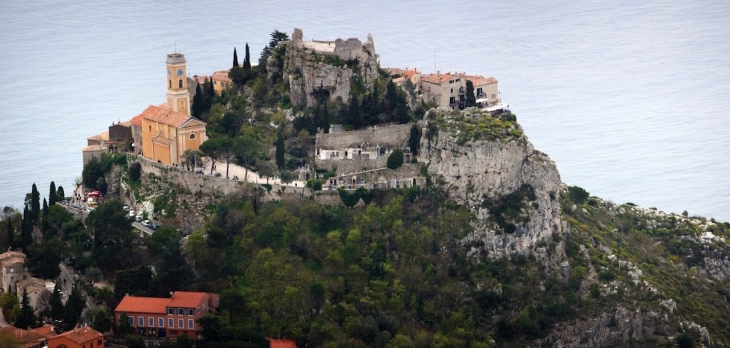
84,337
444,89
167,317
274,343
486,89
26,338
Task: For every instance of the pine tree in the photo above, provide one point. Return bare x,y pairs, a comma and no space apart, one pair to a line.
280,151
247,60
26,319
52,194
35,204
235,58
74,306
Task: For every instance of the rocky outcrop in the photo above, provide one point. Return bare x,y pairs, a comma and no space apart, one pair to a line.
478,171
716,268
335,66
606,330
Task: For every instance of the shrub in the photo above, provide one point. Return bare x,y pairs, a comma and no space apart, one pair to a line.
317,185
395,160
577,194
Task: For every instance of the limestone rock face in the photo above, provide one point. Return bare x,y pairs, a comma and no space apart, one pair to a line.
479,170
716,268
332,65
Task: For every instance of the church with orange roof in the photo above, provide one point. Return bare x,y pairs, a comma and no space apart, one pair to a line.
168,130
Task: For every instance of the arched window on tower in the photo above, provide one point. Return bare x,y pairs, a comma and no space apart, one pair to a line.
170,83
179,84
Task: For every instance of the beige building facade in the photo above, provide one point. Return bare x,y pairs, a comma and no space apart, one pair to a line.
13,268
444,89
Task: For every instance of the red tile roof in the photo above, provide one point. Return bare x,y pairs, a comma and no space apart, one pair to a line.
133,304
221,75
25,337
136,120
45,331
81,335
185,299
165,115
479,80
437,78
101,136
282,343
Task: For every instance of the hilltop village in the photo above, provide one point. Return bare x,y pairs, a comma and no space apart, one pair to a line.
317,199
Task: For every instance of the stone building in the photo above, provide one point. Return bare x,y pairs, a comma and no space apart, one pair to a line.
221,81
13,268
35,288
169,130
444,89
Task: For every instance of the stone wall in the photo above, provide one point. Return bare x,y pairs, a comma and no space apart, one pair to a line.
345,167
395,136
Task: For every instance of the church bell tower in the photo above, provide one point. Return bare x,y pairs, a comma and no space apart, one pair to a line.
178,98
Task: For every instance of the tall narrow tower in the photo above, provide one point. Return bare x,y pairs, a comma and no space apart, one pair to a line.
178,98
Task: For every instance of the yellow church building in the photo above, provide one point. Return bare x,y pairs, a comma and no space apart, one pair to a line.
168,130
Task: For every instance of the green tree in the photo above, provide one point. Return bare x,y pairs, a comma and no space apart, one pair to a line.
401,109
113,243
11,235
247,60
135,171
210,149
235,58
56,303
60,195
35,204
124,328
354,118
276,36
7,340
101,320
280,151
414,140
101,184
74,306
246,147
52,194
577,194
133,281
26,319
92,172
44,257
197,108
26,234
134,341
471,100
395,159
162,238
173,271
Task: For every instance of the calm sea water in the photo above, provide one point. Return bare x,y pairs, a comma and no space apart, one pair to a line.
629,98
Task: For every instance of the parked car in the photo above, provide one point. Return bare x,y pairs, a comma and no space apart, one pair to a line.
154,226
138,218
131,213
146,223
126,207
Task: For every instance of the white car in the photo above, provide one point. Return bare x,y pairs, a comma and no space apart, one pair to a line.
146,223
138,218
126,207
131,213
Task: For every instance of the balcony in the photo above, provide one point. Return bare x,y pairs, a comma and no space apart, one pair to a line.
462,91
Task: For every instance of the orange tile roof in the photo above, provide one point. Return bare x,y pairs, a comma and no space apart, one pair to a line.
437,78
479,80
165,115
185,299
133,304
25,337
136,120
45,331
92,148
101,136
81,335
282,343
221,75
200,78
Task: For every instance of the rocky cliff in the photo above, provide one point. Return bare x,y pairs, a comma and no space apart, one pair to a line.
485,173
335,66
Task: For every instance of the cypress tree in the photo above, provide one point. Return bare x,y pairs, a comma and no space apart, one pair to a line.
57,310
11,234
471,100
353,113
280,151
235,58
247,60
326,119
26,234
45,208
197,108
210,93
60,195
414,141
52,194
35,204
26,318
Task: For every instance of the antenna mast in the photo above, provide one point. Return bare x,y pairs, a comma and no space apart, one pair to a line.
434,61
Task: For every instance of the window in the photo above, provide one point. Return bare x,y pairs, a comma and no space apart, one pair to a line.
190,323
180,311
452,90
191,312
170,311
161,322
170,323
151,322
180,323
170,83
131,321
150,128
494,96
141,321
192,136
479,91
179,83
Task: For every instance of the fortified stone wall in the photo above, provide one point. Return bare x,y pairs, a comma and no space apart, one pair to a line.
389,136
351,166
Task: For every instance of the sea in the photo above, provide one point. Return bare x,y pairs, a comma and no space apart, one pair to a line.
629,98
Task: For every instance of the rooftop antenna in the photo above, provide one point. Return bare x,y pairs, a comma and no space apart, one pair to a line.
175,46
434,61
